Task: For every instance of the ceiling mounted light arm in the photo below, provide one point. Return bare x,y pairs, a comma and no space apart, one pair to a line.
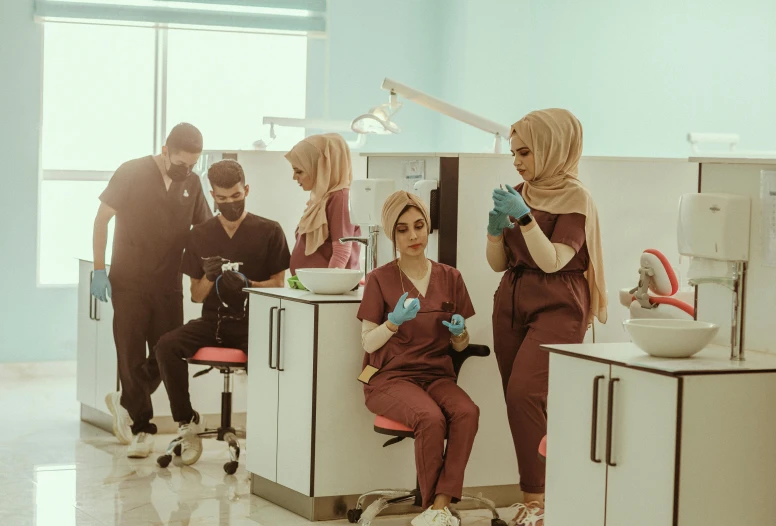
315,124
499,131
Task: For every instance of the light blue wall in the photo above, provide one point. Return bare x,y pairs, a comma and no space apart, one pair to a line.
370,40
35,324
638,75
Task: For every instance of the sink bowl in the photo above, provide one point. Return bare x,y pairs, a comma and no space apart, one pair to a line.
329,281
670,338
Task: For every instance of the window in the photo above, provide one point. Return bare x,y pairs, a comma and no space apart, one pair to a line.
99,111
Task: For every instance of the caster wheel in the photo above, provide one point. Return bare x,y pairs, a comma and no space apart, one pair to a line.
177,450
230,468
164,461
354,516
497,522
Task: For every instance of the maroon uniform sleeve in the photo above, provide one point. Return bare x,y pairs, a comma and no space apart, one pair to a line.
373,303
464,305
570,230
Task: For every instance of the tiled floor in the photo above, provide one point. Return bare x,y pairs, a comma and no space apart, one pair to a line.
57,471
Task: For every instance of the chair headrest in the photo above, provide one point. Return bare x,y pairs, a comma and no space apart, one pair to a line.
664,282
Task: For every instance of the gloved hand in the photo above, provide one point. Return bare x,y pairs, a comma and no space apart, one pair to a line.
457,326
404,312
232,281
101,288
212,267
510,202
497,222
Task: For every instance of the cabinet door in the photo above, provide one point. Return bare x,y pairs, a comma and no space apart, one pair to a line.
576,442
86,339
107,374
262,418
643,446
295,395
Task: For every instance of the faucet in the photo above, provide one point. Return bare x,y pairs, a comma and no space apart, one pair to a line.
370,242
736,284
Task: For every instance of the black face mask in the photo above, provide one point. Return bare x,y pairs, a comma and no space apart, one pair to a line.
232,211
178,172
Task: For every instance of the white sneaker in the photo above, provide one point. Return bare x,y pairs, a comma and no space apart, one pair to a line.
191,443
432,517
141,447
122,423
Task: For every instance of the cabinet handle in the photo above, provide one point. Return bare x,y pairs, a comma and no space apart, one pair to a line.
271,319
609,422
91,298
96,309
594,429
279,343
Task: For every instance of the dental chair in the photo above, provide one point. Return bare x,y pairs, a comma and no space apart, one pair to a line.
391,428
655,295
227,362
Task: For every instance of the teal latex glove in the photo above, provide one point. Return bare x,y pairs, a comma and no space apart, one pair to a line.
457,326
101,288
404,312
510,202
497,222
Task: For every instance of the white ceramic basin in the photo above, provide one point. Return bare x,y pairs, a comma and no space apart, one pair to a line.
670,338
329,280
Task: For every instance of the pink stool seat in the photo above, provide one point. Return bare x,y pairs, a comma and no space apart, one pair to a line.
219,356
543,447
387,426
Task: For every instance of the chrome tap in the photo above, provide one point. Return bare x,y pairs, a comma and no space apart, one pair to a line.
736,284
370,242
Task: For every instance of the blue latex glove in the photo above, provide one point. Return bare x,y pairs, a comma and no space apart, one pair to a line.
404,313
510,202
497,222
457,326
101,288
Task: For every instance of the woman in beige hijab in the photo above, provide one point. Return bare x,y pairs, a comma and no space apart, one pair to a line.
554,286
322,167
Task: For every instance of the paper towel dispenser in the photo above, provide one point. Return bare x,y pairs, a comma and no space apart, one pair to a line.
714,226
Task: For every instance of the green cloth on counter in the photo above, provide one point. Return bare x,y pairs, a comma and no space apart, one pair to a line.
294,283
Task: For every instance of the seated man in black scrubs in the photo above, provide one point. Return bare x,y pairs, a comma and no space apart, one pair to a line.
234,236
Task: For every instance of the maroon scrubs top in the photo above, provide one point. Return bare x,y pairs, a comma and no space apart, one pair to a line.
419,349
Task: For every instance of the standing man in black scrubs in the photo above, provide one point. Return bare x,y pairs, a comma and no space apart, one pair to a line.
156,200
234,236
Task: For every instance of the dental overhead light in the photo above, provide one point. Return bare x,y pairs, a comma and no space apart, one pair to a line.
378,120
313,124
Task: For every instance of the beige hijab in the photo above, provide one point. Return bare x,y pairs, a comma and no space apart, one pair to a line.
555,138
395,205
327,159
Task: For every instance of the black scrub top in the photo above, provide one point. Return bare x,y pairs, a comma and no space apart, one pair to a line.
152,225
259,244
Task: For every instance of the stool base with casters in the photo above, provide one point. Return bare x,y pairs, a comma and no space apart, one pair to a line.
394,497
227,361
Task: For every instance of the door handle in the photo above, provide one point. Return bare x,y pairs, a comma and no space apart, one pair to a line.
279,343
271,319
594,427
609,423
91,298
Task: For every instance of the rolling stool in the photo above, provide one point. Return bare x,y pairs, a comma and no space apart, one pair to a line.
392,497
228,361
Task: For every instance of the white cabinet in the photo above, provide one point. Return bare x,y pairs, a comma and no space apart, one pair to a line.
280,407
611,444
635,441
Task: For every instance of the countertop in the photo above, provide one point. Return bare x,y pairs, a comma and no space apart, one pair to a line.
714,359
741,157
308,297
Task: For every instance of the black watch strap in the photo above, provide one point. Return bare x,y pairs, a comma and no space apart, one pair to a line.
525,220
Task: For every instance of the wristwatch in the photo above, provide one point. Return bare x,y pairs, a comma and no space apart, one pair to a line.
525,220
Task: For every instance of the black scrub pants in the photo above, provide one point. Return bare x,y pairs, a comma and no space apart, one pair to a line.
139,320
175,347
